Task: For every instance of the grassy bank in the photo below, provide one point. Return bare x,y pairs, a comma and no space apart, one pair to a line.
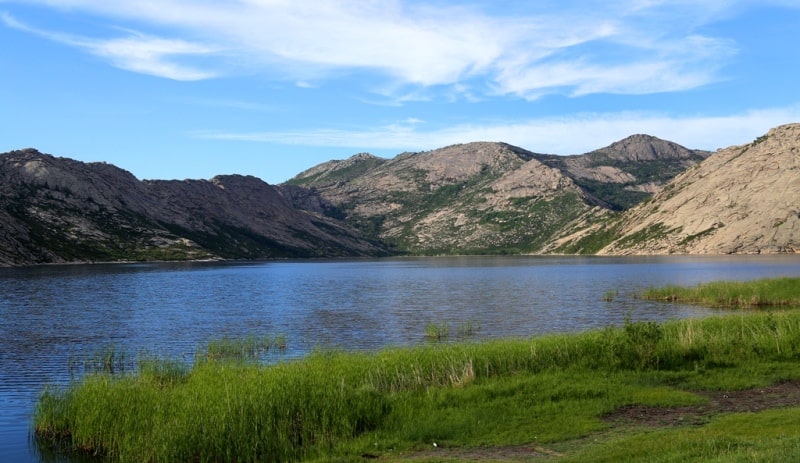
773,292
549,396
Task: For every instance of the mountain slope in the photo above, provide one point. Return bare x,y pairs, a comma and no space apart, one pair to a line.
435,201
742,199
61,210
491,197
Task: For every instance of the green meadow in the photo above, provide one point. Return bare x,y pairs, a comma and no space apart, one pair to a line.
550,398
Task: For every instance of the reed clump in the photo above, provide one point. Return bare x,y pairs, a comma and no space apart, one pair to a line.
441,331
107,360
437,331
246,348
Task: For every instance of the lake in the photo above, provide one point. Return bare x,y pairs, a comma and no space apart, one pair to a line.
53,315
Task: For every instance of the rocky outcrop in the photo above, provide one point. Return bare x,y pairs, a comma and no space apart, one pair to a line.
60,210
742,199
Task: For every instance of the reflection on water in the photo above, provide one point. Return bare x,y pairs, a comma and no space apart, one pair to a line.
56,313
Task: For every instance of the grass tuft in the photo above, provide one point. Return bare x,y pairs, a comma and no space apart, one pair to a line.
247,348
437,331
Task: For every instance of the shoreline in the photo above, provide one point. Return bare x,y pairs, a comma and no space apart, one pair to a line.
794,252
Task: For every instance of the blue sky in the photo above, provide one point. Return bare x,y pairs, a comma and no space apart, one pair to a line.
174,89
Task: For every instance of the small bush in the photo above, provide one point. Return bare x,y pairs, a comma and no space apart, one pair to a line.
640,346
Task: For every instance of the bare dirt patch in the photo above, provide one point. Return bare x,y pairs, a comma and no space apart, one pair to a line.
780,395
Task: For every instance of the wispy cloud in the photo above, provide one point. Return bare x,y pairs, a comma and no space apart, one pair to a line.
151,55
680,65
625,46
136,52
565,135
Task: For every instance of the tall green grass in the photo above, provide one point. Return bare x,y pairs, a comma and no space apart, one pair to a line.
339,405
734,294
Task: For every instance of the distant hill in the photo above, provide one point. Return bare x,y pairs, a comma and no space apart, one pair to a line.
492,197
60,210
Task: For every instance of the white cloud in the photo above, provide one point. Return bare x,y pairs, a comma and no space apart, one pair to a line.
631,46
151,55
564,135
138,52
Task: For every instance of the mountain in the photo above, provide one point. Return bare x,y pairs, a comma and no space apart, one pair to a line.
742,199
628,171
60,210
491,197
640,195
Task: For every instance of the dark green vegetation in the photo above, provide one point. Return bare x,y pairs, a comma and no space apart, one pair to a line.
775,292
615,196
652,232
623,195
559,395
592,241
534,221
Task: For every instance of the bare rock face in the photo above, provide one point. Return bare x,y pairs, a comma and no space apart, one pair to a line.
60,210
742,199
531,179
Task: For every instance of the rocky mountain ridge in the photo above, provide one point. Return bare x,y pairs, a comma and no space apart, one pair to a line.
641,195
487,197
60,210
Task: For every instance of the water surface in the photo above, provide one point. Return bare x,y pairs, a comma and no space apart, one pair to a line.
49,315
